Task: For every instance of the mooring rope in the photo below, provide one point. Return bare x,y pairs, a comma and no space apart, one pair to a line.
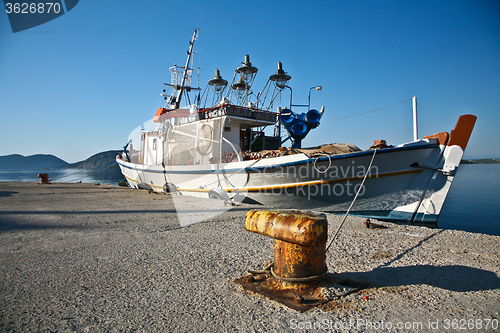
269,270
71,174
268,266
111,166
353,201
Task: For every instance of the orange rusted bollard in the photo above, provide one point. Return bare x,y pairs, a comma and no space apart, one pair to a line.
299,246
44,178
299,255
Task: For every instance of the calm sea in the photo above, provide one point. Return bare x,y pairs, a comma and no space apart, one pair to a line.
110,176
472,204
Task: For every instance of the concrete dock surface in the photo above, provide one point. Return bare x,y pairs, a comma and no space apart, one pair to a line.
100,258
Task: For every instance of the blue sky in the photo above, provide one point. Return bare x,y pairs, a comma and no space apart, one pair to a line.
81,83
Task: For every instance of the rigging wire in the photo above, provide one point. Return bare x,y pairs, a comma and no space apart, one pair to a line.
362,113
263,97
275,94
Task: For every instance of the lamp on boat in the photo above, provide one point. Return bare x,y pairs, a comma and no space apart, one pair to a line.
241,86
247,70
318,88
218,83
280,78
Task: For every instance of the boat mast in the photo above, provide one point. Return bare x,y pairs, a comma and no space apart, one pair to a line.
186,69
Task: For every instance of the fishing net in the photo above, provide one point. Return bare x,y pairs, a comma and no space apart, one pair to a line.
194,143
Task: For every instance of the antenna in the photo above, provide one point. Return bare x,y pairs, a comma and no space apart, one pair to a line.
186,69
199,23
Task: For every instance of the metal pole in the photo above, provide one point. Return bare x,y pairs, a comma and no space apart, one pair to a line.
185,75
414,107
309,99
290,96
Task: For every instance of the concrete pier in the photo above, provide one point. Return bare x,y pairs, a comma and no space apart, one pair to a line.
97,258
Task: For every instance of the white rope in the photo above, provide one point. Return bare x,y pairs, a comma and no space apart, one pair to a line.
86,176
352,203
86,169
329,163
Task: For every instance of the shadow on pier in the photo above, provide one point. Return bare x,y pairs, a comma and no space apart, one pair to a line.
27,219
454,277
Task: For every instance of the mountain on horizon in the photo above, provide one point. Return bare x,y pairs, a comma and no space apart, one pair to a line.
483,156
43,161
38,161
102,160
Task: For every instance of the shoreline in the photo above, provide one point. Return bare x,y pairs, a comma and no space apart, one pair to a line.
96,258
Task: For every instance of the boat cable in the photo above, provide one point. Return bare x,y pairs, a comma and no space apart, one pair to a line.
252,164
111,166
244,168
353,201
74,180
362,113
164,175
268,266
86,169
275,96
219,159
226,177
269,270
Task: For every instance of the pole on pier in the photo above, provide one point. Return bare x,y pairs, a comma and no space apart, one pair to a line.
414,107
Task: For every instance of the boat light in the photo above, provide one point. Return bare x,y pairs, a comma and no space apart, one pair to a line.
247,70
241,87
218,83
280,78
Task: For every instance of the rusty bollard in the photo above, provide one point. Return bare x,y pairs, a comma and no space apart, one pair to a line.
299,255
44,178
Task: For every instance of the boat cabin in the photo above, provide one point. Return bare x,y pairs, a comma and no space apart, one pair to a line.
208,136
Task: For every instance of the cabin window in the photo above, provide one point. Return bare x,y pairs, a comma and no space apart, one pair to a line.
154,144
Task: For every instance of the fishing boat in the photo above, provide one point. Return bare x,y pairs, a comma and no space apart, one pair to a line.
233,149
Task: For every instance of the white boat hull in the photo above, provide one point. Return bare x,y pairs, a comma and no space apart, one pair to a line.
408,183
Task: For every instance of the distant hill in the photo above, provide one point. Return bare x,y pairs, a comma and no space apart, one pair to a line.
100,160
38,161
482,161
